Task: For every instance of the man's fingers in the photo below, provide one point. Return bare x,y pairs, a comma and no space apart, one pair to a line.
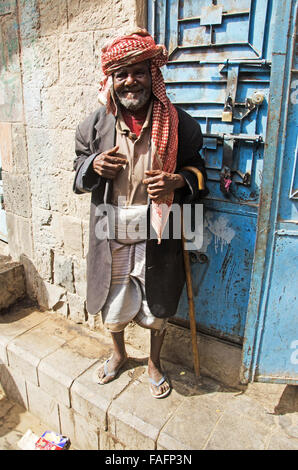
107,163
152,180
116,160
103,159
112,150
153,172
155,189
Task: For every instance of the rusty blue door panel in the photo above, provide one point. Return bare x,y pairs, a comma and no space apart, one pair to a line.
270,349
221,277
219,55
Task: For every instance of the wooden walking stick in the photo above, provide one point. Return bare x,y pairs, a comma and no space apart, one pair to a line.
191,307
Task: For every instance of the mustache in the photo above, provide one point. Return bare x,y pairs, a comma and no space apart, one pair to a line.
131,89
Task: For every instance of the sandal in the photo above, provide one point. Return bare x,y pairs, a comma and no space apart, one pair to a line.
113,374
158,384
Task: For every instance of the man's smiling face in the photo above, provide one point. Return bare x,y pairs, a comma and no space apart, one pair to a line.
132,85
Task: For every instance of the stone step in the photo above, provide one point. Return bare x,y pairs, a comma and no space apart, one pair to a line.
12,282
47,365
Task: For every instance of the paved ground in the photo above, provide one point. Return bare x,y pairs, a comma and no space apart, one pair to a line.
14,422
47,364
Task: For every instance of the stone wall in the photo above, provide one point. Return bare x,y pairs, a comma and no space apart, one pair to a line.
50,70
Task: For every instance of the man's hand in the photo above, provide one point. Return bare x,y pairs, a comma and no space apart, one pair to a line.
160,184
107,164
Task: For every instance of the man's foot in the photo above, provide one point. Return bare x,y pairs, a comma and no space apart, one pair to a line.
159,384
109,370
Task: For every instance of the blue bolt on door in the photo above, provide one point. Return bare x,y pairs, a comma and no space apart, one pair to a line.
221,55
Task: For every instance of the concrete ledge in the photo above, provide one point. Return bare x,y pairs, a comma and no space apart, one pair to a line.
47,365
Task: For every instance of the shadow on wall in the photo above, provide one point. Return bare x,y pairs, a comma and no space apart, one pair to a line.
10,414
48,296
288,402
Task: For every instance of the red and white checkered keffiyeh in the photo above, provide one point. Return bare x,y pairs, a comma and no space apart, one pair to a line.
128,50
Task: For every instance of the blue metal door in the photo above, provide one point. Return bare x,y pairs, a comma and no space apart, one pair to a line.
219,72
270,349
3,230
233,67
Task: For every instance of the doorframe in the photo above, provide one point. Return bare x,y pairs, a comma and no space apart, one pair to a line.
270,191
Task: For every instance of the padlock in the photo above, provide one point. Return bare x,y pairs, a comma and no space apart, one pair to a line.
227,115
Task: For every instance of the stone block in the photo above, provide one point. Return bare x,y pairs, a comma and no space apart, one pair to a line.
65,149
32,106
83,15
43,261
14,385
56,224
19,236
52,17
234,432
82,205
58,100
191,425
46,232
16,189
29,19
130,419
80,275
76,57
9,58
58,370
42,150
7,6
63,272
48,295
83,435
280,441
40,62
26,351
12,283
46,180
250,408
19,148
77,308
72,235
6,146
65,200
43,406
15,324
85,227
25,236
92,401
125,14
12,231
108,442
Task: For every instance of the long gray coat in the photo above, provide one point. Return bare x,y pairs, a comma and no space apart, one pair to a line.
164,274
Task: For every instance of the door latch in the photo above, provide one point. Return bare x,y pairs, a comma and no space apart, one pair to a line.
227,114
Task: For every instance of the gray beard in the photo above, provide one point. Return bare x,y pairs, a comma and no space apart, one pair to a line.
135,104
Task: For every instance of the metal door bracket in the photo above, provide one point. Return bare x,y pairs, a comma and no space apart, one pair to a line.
232,81
227,171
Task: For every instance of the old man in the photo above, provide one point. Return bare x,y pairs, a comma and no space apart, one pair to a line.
137,154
